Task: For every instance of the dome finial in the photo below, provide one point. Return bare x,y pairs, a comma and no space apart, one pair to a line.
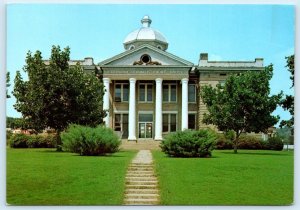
146,21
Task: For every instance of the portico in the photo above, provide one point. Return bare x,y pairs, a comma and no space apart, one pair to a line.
148,101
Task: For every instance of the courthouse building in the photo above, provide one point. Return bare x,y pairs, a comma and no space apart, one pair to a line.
151,92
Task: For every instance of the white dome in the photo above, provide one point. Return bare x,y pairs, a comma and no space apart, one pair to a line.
146,34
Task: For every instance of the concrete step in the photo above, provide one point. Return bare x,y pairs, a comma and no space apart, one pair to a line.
150,178
141,182
140,173
142,191
140,169
141,186
141,176
141,201
141,164
140,196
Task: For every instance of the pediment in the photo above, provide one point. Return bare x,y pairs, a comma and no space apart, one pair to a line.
133,57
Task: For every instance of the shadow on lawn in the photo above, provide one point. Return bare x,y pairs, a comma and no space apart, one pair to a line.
241,152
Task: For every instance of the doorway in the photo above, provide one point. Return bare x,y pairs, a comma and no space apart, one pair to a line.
145,126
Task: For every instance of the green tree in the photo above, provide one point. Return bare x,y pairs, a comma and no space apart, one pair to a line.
14,123
57,94
288,102
7,84
243,105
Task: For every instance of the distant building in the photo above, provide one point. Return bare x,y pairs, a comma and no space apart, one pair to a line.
151,92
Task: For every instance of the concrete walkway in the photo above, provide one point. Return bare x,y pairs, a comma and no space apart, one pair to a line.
141,183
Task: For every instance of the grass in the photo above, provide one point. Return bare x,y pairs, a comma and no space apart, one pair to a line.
46,177
246,178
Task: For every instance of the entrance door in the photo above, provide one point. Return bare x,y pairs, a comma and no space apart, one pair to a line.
145,130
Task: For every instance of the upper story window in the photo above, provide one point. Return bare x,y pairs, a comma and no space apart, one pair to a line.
146,92
169,92
192,93
121,92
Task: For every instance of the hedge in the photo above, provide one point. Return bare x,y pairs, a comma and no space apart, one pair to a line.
189,143
90,141
20,140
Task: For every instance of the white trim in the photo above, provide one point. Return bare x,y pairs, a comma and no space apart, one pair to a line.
170,112
128,52
192,112
145,112
121,112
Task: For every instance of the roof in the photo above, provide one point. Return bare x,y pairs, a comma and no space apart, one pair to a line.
145,33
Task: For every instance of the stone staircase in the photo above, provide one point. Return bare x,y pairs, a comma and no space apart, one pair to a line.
141,182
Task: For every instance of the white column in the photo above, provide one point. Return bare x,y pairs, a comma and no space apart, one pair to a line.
106,82
132,117
184,106
158,110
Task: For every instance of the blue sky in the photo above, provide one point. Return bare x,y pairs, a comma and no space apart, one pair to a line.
225,32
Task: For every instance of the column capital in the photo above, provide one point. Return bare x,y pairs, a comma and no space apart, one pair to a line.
184,80
132,80
106,79
158,80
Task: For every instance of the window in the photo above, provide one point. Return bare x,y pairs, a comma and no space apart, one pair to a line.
145,117
117,122
121,92
192,121
145,58
169,92
121,124
223,74
192,93
145,92
222,83
169,123
131,47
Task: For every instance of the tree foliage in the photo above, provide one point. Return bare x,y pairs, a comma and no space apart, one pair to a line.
243,105
14,123
57,94
288,102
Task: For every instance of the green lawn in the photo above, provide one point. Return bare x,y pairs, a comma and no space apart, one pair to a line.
246,178
46,177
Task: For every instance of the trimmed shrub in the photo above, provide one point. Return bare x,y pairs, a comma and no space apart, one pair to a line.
8,136
19,140
42,141
223,143
274,143
90,141
250,142
189,143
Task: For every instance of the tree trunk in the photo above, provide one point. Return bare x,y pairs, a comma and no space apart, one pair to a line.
236,141
58,142
235,147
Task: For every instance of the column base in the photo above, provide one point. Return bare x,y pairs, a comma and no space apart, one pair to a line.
158,138
132,138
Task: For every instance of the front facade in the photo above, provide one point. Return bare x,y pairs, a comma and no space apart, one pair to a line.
151,92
